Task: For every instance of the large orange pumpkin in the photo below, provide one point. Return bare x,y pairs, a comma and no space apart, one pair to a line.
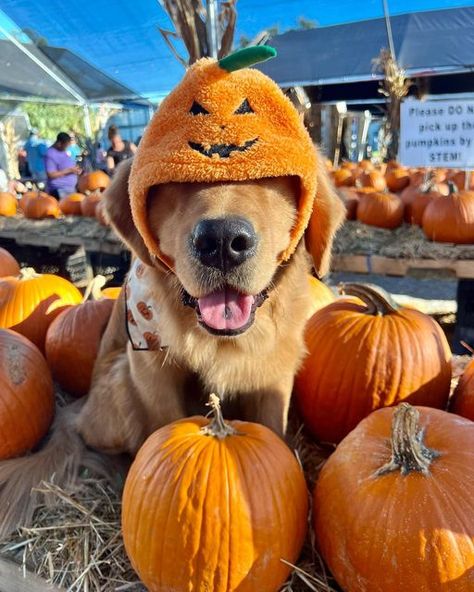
43,206
450,219
209,505
89,204
369,355
8,204
29,303
26,395
384,210
8,264
73,341
462,401
400,520
95,181
373,179
71,205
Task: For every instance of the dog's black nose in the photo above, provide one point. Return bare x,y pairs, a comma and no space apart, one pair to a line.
224,243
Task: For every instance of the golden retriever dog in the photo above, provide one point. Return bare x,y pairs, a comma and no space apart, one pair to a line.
225,239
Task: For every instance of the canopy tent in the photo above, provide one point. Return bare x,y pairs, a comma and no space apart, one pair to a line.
435,43
28,72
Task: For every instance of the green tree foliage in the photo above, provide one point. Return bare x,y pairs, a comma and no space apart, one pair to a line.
52,119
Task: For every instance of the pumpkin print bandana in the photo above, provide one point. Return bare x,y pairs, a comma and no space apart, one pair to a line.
141,313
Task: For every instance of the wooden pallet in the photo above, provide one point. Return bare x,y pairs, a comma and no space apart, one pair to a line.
460,268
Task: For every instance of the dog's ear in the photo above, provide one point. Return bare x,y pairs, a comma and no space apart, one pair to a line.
117,205
328,214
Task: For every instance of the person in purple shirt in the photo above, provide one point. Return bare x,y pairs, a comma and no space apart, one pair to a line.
61,169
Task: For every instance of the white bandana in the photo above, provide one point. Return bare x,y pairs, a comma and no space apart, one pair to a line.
142,315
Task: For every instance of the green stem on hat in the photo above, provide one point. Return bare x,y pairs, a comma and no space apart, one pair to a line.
248,56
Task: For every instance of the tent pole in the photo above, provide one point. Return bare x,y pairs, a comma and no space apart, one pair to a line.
87,121
211,27
43,66
388,26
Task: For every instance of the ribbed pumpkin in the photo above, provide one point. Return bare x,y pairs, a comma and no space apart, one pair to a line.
43,206
343,177
26,394
384,210
8,204
73,340
373,179
321,295
365,356
462,401
90,203
96,180
209,505
450,219
397,179
71,205
29,303
393,507
8,264
427,191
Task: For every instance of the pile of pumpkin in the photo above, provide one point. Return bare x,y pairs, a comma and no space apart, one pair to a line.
38,205
223,506
389,194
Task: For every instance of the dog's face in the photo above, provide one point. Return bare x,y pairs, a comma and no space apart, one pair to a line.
224,239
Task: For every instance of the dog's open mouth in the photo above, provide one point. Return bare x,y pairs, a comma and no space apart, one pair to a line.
226,311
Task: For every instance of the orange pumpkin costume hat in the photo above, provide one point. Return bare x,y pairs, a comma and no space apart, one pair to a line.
224,122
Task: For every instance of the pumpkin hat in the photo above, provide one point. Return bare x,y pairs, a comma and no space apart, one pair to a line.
224,122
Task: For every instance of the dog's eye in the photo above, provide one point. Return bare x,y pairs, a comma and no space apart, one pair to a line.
244,108
197,109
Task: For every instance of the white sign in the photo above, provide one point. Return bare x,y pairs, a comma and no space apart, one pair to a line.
437,134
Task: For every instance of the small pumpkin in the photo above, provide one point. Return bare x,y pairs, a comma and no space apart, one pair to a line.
73,340
199,481
384,210
367,355
321,295
25,198
43,206
8,264
393,504
8,204
450,219
94,181
397,179
71,205
373,179
30,302
26,394
343,177
462,401
89,204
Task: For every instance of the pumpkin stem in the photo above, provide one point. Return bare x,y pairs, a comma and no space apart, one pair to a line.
409,452
452,188
218,427
429,182
28,273
377,300
94,288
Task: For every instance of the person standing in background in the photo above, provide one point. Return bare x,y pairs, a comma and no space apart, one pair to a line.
119,149
35,154
74,150
61,169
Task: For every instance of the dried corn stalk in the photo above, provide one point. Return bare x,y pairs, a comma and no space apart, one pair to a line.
189,19
10,139
394,86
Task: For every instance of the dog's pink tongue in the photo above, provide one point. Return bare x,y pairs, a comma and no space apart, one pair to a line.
225,309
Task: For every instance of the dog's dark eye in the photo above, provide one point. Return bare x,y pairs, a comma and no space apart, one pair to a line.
197,109
244,108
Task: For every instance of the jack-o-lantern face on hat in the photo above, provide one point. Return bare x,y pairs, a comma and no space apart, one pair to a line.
224,124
